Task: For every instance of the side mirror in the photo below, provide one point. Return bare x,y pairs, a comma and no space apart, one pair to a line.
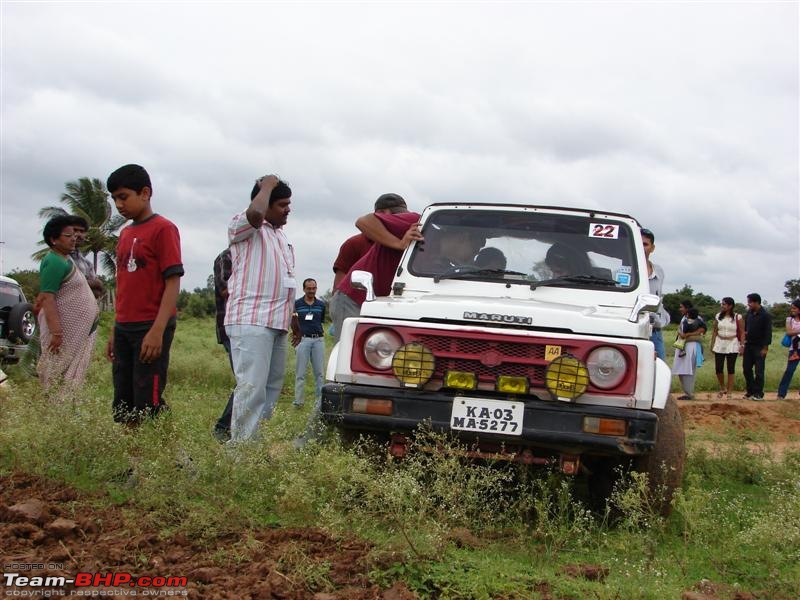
362,280
648,302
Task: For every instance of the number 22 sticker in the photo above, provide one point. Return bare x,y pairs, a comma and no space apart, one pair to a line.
603,230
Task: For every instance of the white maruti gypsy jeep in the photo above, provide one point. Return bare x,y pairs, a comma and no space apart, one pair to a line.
524,331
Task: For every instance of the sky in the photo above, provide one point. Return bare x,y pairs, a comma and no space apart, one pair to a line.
681,114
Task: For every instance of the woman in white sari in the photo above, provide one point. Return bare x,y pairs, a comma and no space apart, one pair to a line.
687,360
68,313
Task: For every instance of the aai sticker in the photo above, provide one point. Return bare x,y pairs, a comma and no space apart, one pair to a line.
622,278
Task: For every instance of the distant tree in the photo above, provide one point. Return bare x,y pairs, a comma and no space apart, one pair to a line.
88,198
792,289
28,280
778,311
199,303
706,305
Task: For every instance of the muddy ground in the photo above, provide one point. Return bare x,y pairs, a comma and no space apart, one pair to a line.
48,529
772,424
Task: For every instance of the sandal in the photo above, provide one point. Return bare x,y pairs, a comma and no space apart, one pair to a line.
684,397
720,395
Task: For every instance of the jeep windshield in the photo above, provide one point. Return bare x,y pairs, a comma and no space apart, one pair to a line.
533,248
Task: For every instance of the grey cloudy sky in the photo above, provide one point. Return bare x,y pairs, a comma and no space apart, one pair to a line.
684,115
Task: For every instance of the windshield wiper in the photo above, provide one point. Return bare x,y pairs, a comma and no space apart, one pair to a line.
469,270
590,279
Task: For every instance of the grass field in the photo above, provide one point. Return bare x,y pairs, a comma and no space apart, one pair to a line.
736,521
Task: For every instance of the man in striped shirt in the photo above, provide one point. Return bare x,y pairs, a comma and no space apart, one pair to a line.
261,293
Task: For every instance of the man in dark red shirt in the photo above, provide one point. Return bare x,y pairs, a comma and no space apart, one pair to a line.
392,228
358,245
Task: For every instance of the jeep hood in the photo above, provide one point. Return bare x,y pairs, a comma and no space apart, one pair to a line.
531,314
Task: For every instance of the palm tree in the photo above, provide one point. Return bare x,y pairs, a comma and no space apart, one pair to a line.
88,198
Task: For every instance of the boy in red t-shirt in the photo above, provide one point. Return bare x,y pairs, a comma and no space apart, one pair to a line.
149,269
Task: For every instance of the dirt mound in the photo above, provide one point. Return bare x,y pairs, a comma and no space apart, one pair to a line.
48,530
777,420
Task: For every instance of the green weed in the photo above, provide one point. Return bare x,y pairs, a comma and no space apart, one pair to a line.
450,527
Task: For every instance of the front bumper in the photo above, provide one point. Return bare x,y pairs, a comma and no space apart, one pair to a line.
551,426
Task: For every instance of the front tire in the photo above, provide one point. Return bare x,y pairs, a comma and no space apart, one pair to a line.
665,463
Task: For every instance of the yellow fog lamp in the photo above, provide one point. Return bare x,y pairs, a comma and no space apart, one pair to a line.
413,364
512,385
566,377
460,380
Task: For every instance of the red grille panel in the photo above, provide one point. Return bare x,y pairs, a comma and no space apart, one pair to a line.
492,355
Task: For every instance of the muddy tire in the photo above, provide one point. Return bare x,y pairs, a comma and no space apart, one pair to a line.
664,465
21,323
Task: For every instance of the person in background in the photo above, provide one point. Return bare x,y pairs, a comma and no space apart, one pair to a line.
727,337
354,248
79,228
564,261
655,277
68,314
222,272
308,337
448,248
691,323
392,229
149,269
260,303
792,329
690,357
309,313
490,258
757,338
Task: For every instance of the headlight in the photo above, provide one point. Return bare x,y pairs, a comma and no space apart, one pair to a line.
606,366
413,364
566,377
379,348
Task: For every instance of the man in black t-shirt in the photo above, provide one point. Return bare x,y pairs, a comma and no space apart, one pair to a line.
757,338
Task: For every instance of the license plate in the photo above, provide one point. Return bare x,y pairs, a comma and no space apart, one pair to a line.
489,416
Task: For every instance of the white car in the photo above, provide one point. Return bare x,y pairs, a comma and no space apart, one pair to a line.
524,331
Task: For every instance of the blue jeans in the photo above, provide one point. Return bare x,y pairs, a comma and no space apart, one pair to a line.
313,348
259,364
783,386
658,341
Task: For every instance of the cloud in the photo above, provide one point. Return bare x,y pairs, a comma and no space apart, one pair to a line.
682,115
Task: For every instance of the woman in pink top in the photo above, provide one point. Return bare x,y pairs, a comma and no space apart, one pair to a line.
793,329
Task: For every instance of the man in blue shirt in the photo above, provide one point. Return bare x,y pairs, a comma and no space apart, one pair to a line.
309,313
